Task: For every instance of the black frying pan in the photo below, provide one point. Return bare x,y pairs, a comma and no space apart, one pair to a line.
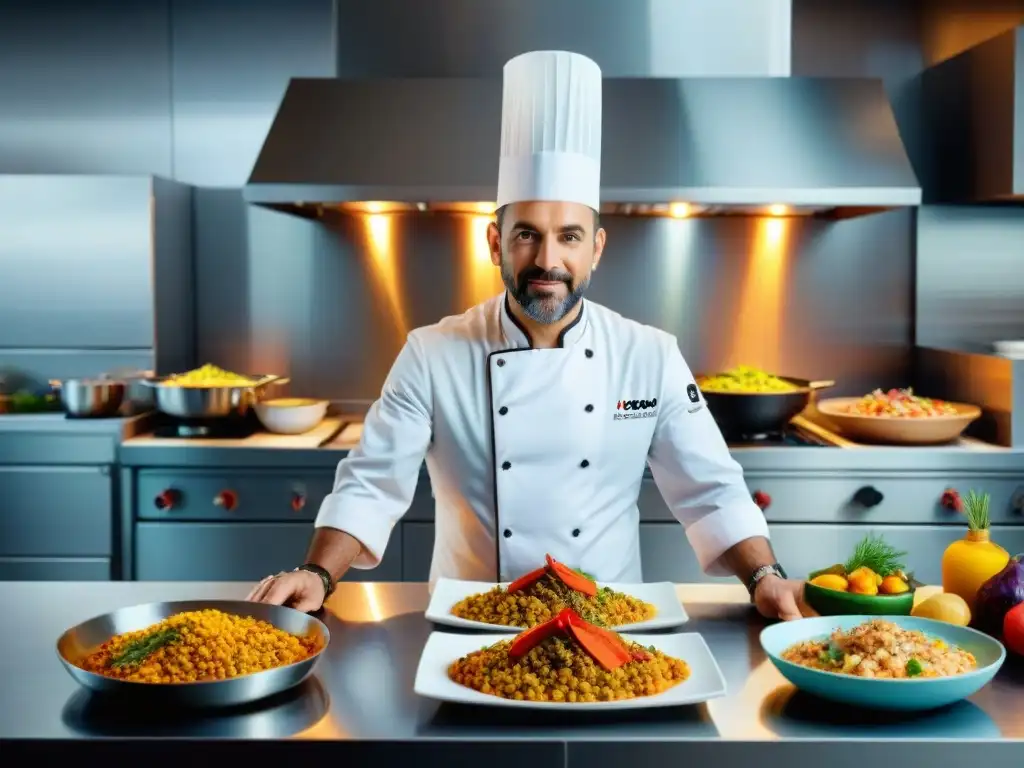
748,414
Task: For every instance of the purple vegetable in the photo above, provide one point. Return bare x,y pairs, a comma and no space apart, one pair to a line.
998,595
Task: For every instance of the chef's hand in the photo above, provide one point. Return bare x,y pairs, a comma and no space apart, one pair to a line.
783,599
301,590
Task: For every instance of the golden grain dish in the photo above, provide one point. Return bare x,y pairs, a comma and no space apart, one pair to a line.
882,649
568,660
541,594
198,646
208,376
744,378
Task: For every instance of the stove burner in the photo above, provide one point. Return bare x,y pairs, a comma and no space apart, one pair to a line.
209,429
790,436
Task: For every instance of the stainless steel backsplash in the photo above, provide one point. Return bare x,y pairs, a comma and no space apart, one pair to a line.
329,305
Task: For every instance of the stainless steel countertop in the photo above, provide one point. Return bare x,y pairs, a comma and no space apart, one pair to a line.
362,690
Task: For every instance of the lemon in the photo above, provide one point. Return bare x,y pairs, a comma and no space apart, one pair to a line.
864,571
830,581
893,585
947,607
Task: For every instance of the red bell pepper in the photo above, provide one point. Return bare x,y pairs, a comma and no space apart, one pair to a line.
572,579
525,581
604,647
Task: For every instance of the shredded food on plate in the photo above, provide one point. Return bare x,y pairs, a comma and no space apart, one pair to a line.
569,660
540,595
882,649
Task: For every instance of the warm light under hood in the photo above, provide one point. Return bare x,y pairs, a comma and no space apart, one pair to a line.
823,146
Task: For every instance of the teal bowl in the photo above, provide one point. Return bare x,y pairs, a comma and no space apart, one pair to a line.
915,694
832,602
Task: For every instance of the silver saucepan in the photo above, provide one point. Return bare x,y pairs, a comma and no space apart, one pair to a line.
209,402
91,398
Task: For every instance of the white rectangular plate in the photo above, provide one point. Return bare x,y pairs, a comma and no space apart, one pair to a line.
662,595
443,648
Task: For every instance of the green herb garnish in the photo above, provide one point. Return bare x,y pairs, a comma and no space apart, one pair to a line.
875,553
976,510
835,653
914,668
139,650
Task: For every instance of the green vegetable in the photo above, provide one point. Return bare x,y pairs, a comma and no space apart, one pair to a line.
139,650
914,667
833,653
875,553
976,510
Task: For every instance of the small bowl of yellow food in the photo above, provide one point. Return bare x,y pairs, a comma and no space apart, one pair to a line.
872,582
291,415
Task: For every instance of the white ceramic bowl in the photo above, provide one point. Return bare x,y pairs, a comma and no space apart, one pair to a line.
1011,349
291,415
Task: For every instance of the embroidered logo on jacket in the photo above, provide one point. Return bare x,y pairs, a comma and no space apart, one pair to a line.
635,409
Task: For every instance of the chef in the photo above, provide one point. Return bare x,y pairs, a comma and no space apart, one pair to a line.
538,411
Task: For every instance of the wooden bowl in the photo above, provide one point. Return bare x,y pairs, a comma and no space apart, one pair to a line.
895,430
832,602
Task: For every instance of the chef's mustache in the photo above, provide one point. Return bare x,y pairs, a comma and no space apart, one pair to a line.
536,273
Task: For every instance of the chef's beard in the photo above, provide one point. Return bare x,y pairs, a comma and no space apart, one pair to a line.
544,308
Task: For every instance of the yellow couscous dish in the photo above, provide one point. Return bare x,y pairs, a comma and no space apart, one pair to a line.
540,595
882,649
198,646
568,660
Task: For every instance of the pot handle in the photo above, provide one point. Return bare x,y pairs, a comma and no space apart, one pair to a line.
821,384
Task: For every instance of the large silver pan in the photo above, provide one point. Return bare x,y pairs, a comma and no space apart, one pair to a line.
209,402
81,640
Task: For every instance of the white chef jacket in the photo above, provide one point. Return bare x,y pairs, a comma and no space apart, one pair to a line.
540,451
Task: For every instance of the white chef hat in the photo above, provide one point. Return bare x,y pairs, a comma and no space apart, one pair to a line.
551,129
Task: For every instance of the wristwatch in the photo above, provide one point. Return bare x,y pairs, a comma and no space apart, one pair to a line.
775,569
324,575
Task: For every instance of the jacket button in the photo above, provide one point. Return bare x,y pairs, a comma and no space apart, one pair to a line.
575,532
584,463
506,465
589,408
501,361
588,353
503,410
507,533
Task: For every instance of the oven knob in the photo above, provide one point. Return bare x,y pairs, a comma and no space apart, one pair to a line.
226,499
166,499
1017,502
762,499
868,497
298,501
951,500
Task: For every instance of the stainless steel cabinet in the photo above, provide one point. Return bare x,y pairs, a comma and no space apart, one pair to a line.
667,555
417,551
54,512
201,495
54,569
236,552
902,499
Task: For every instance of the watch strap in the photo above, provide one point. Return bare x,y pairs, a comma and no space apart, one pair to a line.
775,569
324,575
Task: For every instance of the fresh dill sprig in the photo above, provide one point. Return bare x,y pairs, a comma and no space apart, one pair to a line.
137,651
976,510
875,553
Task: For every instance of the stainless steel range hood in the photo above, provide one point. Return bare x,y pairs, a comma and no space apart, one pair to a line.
975,108
694,146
